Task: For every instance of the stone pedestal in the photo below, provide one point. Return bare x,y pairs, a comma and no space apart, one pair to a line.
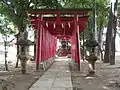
24,53
23,66
92,58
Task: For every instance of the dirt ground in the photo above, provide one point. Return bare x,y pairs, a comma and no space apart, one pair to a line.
107,77
15,80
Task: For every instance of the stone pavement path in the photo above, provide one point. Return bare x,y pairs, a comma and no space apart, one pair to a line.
57,77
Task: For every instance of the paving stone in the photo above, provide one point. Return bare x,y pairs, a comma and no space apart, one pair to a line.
40,88
63,79
61,84
50,73
48,76
68,88
57,77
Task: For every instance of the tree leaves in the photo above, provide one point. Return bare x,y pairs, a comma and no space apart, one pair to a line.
5,26
16,10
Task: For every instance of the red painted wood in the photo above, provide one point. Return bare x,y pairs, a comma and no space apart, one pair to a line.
51,28
38,48
48,45
56,27
38,43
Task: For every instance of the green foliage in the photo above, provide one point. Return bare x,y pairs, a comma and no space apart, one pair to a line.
16,10
5,26
52,4
101,12
78,3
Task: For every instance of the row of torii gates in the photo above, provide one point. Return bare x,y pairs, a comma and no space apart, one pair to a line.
53,24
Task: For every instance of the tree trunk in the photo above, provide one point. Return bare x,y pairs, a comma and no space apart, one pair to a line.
82,38
100,42
108,38
35,45
17,62
112,60
6,65
23,52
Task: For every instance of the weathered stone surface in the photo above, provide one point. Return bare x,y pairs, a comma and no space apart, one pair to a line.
46,64
57,77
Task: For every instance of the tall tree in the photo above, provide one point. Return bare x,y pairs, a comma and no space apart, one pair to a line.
112,60
111,35
108,37
16,11
6,30
101,23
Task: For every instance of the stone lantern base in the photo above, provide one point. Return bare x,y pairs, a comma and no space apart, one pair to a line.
92,58
23,66
23,61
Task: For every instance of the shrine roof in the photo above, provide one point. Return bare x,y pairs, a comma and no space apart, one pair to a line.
61,11
60,22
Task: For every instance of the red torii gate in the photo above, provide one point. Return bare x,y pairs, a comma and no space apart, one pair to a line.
52,24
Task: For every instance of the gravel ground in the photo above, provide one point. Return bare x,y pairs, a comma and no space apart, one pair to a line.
15,80
107,77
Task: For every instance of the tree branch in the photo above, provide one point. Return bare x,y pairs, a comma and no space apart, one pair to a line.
6,4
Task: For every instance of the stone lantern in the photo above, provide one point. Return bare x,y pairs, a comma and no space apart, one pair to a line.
91,44
24,51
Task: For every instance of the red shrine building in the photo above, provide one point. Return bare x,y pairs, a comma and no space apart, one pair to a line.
53,24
